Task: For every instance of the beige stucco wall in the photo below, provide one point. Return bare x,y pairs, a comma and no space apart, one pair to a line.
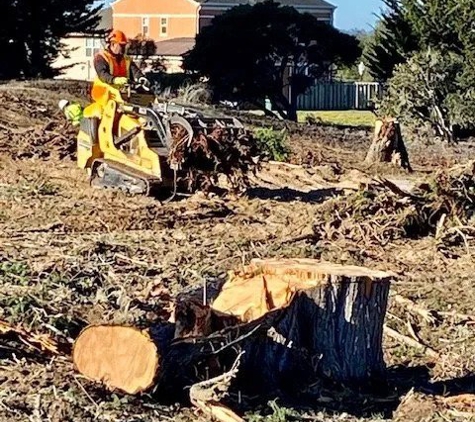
82,66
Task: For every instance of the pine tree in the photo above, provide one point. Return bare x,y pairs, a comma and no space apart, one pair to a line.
437,81
411,26
31,33
393,43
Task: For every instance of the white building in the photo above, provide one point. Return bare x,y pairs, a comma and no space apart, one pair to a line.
76,60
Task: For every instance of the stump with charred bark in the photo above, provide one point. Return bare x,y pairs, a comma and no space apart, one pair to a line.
297,321
388,145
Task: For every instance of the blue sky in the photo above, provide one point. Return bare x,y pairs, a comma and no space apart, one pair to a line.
356,14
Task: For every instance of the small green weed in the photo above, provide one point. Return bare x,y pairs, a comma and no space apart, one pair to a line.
272,143
279,414
15,273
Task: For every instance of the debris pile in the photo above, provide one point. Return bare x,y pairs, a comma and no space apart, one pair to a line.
381,211
32,127
208,153
41,141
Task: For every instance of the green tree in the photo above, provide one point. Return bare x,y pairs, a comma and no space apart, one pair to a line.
427,89
145,50
393,43
31,33
247,51
350,72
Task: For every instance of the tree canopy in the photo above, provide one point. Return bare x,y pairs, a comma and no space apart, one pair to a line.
426,50
411,26
31,32
351,72
247,52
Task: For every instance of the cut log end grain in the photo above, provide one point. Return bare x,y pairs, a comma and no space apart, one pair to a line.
122,358
265,285
330,318
308,269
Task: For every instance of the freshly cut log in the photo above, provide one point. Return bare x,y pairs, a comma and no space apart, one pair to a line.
331,323
123,358
388,145
297,321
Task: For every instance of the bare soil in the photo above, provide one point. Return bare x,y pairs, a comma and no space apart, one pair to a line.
71,256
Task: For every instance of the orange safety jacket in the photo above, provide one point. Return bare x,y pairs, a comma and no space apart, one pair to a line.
122,68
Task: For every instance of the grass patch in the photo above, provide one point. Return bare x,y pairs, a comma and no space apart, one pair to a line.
340,118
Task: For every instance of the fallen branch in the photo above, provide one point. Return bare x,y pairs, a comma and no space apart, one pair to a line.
410,342
457,315
462,405
206,395
430,316
40,342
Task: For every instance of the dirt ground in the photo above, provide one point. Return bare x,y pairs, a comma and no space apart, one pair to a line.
71,256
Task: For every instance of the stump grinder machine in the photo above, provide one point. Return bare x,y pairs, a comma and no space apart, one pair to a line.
140,144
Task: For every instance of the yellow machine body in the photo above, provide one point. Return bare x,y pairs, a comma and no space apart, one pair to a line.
104,124
129,140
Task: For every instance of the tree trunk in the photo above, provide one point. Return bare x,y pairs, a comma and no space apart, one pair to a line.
388,145
330,324
297,321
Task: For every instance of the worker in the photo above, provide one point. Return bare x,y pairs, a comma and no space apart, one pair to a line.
114,68
72,111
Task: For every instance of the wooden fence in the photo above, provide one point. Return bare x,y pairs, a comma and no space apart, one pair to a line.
339,96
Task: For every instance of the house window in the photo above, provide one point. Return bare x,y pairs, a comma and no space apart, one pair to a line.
145,27
93,46
163,27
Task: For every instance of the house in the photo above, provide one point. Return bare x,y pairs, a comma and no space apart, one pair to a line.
165,19
79,50
171,52
175,23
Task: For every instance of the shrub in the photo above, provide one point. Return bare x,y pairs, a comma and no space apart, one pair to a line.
272,143
429,88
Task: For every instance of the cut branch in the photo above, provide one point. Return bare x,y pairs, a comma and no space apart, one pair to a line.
410,342
430,316
39,342
206,395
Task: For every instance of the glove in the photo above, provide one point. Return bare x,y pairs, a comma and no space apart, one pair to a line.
144,81
120,81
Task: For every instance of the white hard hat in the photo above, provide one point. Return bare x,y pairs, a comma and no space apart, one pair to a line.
62,104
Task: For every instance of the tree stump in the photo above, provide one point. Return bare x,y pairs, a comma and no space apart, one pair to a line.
330,324
388,145
297,321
